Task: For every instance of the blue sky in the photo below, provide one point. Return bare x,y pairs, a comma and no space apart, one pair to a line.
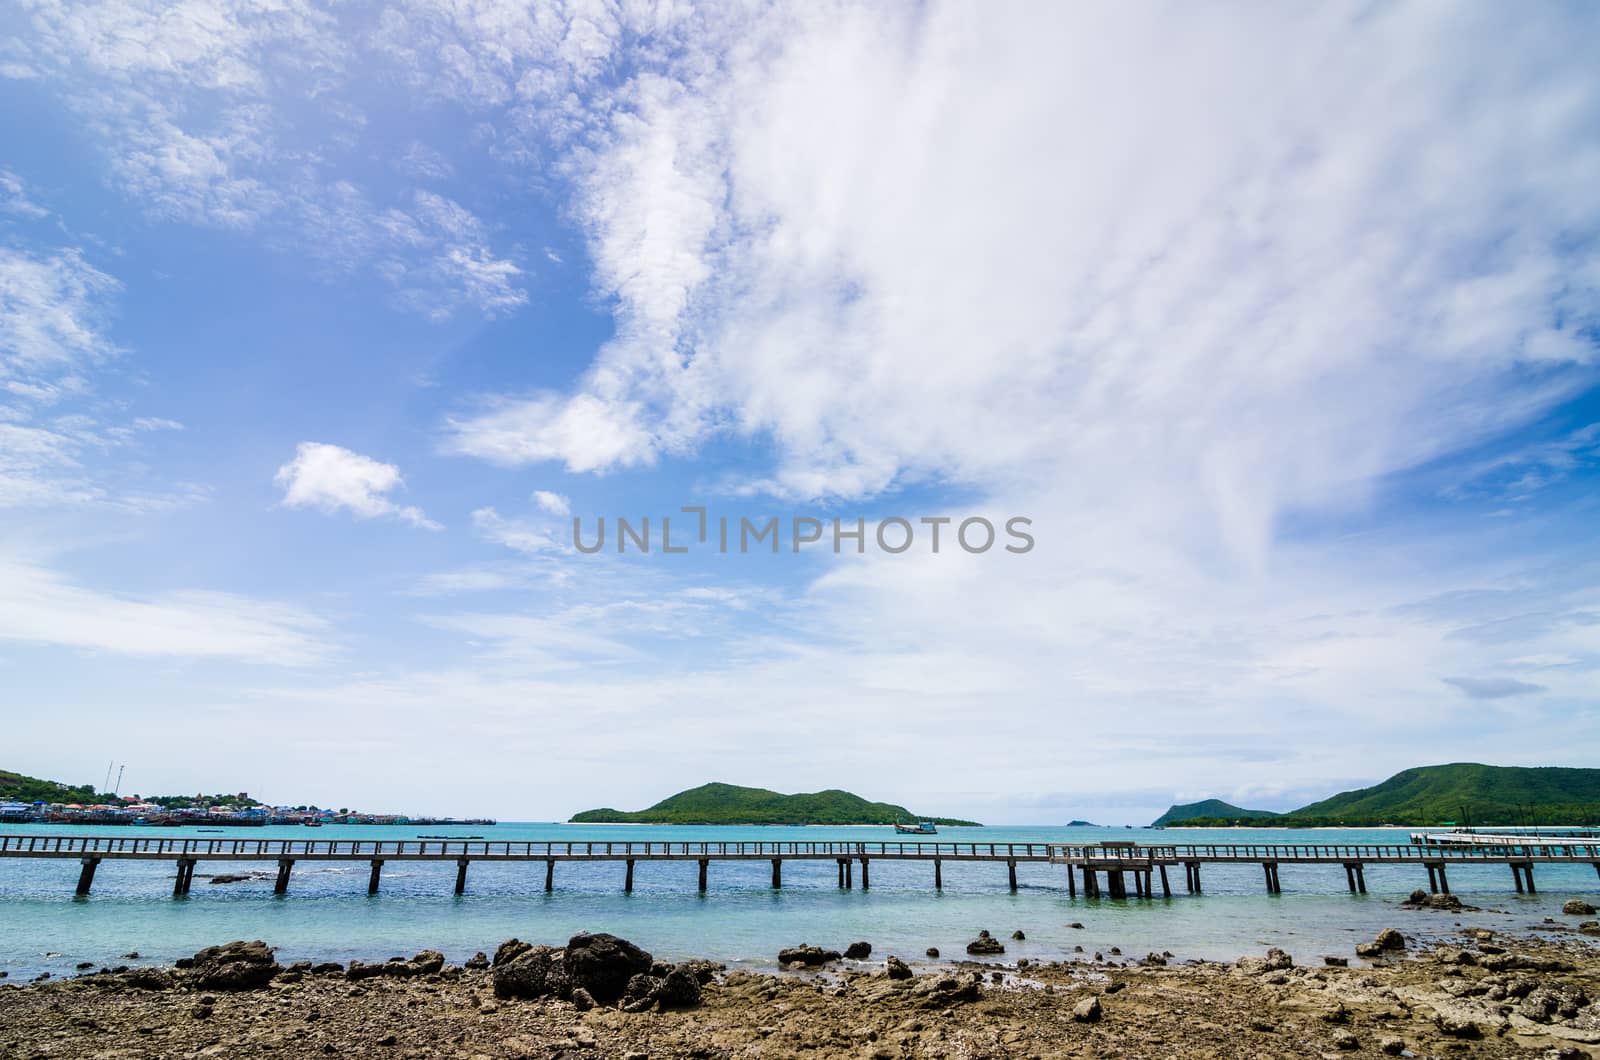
319,323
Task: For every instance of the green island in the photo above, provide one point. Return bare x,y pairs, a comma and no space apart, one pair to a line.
731,804
1461,793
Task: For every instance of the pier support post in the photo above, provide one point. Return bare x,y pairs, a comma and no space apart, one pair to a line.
549,874
1011,868
1091,886
185,877
1072,883
1350,876
777,873
1192,877
627,883
1361,878
1271,870
1116,883
285,865
704,863
938,874
375,876
849,874
1166,888
1444,882
86,875
866,880
461,875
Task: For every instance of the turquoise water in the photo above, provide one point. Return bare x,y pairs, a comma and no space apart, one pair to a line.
327,914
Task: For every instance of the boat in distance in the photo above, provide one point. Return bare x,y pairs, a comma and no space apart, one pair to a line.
920,828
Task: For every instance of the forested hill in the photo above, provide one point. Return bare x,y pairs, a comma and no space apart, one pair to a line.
1211,810
1460,793
730,804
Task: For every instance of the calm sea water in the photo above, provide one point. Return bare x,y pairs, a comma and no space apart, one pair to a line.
328,915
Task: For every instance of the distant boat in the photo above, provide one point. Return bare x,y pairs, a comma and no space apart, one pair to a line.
920,828
312,822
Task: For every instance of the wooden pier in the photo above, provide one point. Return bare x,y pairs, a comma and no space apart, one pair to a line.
1145,867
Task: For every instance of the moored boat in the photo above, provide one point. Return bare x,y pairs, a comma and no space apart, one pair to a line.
920,828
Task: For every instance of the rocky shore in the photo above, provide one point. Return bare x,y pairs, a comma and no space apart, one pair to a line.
601,996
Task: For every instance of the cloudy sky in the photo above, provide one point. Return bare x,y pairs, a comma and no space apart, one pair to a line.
321,322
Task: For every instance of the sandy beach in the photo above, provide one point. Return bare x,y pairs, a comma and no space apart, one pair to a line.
1491,995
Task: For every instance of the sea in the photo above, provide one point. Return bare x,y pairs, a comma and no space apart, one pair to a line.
328,915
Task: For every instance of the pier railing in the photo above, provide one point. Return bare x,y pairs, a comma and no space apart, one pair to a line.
425,849
250,848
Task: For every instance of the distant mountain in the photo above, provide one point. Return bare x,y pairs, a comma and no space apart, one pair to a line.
1212,812
1082,824
1462,793
730,804
1430,796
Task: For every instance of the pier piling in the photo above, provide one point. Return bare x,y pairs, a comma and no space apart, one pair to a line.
375,876
704,865
1072,883
185,877
627,882
1011,867
866,880
86,875
461,875
549,874
777,873
1271,870
281,886
1166,888
938,874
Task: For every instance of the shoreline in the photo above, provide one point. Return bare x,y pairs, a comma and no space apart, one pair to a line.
1481,995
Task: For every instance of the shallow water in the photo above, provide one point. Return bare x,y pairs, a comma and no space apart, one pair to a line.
327,914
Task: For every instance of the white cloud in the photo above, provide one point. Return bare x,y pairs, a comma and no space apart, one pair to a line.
54,309
330,478
14,198
586,432
1185,284
230,116
554,503
519,535
1171,282
39,606
51,314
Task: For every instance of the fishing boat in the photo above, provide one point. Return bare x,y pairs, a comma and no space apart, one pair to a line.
920,828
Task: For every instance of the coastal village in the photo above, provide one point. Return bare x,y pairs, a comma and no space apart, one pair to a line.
240,811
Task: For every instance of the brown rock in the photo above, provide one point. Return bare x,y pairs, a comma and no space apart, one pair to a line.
235,966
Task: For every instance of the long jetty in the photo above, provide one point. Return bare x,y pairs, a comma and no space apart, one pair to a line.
1118,863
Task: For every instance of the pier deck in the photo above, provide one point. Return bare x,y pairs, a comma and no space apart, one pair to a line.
1116,861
